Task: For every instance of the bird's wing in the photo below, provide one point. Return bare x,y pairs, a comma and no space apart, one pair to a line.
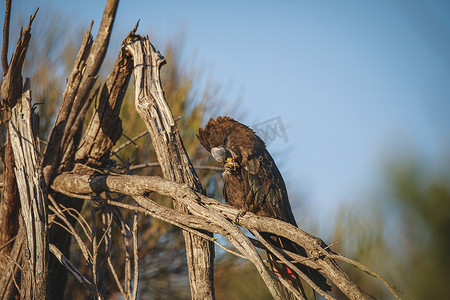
267,187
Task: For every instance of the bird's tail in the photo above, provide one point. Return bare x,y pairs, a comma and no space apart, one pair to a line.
290,275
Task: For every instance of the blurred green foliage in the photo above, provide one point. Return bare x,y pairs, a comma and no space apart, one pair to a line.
405,234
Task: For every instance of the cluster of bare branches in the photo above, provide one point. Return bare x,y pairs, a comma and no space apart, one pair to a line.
76,169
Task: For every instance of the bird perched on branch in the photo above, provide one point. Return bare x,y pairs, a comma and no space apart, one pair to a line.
253,183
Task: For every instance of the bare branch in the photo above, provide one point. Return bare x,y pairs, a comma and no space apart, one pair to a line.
105,126
8,243
130,141
72,269
394,290
217,215
6,36
283,259
156,164
116,278
135,255
81,244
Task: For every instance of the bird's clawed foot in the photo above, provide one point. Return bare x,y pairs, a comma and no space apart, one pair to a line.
230,165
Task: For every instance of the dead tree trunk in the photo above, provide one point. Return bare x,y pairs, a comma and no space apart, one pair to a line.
11,238
153,109
33,196
11,91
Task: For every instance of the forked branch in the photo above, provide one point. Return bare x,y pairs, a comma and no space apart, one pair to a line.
203,215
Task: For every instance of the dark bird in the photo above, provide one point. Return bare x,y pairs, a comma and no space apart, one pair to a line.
253,183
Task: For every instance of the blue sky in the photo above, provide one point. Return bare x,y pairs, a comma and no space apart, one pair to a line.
354,82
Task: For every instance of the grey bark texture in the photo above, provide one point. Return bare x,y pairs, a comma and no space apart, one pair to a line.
23,127
175,164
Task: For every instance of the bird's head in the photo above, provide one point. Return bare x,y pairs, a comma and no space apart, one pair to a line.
228,141
214,138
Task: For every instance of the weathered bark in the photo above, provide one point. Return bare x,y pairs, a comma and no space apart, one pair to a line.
154,110
23,128
11,91
105,126
10,204
66,133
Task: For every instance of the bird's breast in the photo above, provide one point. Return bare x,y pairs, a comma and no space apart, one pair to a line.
235,190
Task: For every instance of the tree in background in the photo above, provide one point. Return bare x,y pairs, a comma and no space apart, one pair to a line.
405,234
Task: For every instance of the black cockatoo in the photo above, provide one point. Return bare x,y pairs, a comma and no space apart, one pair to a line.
253,183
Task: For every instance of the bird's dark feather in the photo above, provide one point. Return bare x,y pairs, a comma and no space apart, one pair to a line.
256,185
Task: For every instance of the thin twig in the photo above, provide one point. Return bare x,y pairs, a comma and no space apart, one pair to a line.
94,247
230,251
111,266
331,245
17,265
62,226
11,259
105,230
80,219
81,244
107,220
156,164
8,242
167,220
130,141
392,289
297,258
146,165
127,272
135,254
212,168
72,269
116,278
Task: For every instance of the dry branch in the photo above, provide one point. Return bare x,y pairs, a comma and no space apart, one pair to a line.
72,269
6,36
205,211
105,126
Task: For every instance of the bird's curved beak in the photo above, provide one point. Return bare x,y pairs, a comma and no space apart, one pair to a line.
219,153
